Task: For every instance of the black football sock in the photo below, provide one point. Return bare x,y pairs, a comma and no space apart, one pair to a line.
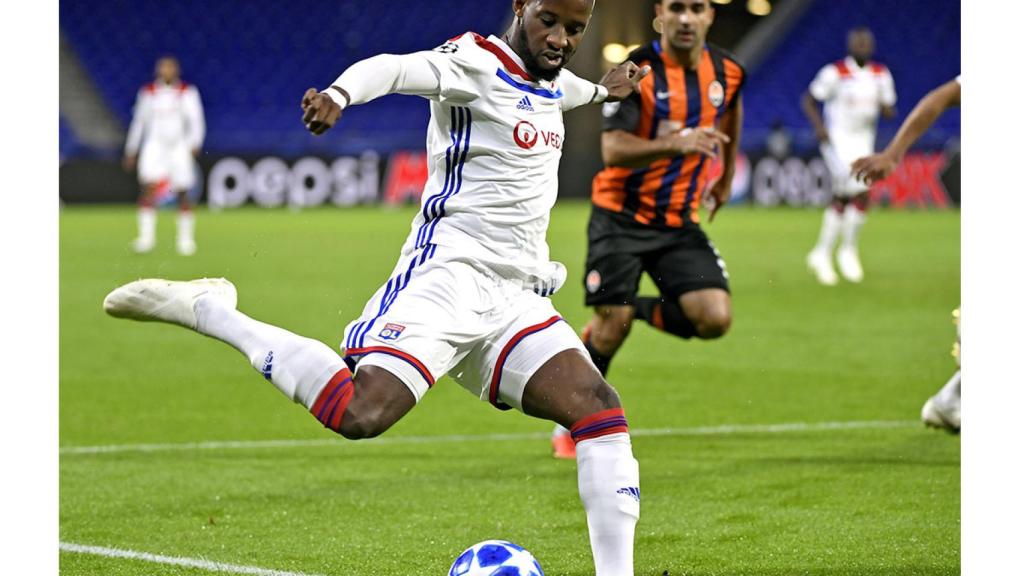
666,316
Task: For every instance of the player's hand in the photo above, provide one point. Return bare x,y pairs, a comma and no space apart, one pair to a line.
700,141
128,162
821,134
720,194
871,169
195,152
319,112
624,80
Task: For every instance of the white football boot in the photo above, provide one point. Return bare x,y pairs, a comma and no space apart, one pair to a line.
186,246
821,265
157,300
143,245
944,415
849,264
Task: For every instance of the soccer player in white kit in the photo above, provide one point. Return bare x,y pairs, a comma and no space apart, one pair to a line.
942,410
469,294
854,91
165,137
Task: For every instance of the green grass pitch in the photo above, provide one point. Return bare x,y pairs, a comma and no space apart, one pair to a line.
883,498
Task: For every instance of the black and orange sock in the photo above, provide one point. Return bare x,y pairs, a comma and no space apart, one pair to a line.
666,316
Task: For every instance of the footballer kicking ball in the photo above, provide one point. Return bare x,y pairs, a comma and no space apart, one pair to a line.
495,558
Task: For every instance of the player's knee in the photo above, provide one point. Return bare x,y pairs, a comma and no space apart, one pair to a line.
714,322
360,423
601,396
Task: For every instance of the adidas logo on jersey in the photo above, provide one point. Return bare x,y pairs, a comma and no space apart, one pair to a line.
525,104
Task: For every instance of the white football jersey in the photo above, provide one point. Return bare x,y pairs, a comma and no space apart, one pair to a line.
493,147
853,97
167,114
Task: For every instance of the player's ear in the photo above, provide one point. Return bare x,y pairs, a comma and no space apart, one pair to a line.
518,6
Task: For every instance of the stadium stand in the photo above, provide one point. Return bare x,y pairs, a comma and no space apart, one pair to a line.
919,40
252,61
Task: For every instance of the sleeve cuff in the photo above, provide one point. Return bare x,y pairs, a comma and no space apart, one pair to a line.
600,94
334,93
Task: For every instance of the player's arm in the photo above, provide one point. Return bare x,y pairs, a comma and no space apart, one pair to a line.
810,107
731,125
135,130
621,148
414,74
878,166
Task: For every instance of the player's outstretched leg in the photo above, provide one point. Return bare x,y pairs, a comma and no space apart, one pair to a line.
568,390
305,370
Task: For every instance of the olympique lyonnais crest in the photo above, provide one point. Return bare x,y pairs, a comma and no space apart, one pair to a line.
716,93
391,331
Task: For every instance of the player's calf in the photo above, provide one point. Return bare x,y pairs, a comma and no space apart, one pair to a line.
606,332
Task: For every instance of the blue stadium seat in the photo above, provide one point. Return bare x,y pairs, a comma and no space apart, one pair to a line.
919,40
253,60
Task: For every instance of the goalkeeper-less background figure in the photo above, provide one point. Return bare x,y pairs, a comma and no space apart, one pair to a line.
165,137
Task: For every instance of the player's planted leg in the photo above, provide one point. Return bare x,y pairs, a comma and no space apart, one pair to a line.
568,390
820,258
848,256
186,238
602,337
146,219
305,370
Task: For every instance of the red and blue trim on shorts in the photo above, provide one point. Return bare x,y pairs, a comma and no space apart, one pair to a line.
499,366
603,423
404,356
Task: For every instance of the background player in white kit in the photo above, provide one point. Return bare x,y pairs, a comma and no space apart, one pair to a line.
468,296
854,91
165,137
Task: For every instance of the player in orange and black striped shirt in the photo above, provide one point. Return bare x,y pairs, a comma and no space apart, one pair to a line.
658,147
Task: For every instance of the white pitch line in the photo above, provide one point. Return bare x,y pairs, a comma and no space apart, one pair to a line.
697,431
199,563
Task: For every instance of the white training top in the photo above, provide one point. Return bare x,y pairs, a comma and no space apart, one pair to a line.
853,97
168,114
493,147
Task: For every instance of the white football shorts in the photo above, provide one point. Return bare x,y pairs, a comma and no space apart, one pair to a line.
440,314
159,161
839,155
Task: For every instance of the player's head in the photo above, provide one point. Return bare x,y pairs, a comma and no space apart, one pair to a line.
545,33
683,24
167,69
860,44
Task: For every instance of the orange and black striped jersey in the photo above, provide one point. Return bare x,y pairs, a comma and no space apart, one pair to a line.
668,192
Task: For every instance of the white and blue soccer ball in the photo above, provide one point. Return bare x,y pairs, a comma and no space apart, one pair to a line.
495,558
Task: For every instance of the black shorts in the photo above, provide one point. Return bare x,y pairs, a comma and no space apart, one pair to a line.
679,260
